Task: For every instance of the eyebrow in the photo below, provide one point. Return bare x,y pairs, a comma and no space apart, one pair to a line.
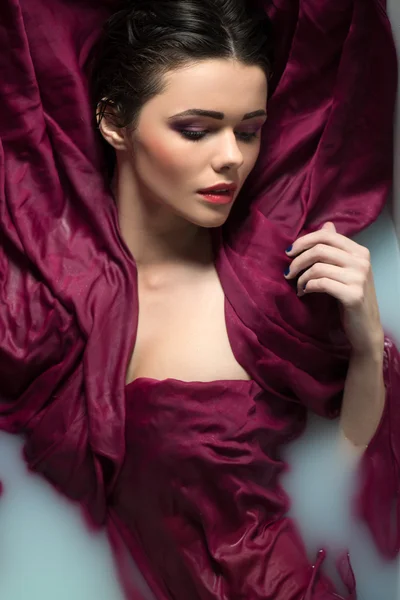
213,114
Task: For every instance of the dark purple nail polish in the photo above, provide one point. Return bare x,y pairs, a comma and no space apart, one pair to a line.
304,287
287,272
289,249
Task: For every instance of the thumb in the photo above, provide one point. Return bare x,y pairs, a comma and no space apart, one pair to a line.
329,226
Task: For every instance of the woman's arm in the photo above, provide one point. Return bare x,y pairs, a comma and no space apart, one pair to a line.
331,263
363,398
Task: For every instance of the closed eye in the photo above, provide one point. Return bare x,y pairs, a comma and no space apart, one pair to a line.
196,135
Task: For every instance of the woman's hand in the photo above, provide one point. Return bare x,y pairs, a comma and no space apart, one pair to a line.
331,263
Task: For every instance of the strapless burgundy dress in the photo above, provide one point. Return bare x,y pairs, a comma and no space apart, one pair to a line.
199,497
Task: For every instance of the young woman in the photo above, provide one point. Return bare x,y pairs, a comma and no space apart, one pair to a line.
172,340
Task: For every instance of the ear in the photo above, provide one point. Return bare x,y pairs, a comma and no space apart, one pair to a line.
115,136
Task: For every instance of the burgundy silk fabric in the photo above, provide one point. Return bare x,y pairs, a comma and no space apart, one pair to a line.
68,297
208,510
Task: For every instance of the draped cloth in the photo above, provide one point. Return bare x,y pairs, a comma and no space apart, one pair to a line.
68,295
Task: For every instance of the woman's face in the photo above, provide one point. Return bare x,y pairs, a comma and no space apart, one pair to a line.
202,130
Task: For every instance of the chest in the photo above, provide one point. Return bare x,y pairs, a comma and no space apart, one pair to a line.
182,333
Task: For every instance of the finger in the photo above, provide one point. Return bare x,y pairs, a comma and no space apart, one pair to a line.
329,227
321,270
329,238
348,295
321,254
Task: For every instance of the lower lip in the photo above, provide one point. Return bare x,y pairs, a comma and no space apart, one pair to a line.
218,198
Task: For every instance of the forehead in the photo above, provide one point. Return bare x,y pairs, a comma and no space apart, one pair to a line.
223,85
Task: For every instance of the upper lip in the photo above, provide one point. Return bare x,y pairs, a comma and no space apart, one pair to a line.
220,186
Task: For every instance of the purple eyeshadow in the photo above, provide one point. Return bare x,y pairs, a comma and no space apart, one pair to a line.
191,126
253,129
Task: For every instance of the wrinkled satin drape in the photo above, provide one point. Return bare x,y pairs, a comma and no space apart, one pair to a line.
68,284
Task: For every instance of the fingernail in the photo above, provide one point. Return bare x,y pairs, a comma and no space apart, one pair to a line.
289,249
286,273
304,287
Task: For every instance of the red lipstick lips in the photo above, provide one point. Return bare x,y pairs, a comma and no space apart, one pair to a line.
222,193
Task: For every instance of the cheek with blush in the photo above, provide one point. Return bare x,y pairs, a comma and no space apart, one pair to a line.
168,169
168,159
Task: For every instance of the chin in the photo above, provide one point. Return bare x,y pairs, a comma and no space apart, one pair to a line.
211,222
210,219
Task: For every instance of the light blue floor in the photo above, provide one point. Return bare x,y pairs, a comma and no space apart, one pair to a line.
46,552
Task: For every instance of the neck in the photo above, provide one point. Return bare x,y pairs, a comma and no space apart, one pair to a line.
154,234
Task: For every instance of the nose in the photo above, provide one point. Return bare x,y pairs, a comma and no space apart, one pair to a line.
228,154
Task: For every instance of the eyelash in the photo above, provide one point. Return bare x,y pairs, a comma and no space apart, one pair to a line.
196,136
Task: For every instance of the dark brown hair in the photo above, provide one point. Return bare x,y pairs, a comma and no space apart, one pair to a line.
146,38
